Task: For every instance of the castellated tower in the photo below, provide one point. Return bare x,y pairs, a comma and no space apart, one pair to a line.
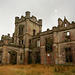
25,28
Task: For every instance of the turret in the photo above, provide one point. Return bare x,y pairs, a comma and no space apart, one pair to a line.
40,21
8,35
2,37
16,19
34,18
27,14
40,25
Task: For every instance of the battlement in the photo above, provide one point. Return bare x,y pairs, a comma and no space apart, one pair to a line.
62,26
6,37
27,16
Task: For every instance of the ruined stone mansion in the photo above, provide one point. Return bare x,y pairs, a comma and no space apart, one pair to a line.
30,45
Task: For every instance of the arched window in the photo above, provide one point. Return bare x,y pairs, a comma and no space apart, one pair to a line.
65,25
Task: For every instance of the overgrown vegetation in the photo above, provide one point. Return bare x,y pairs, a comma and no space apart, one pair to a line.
37,69
64,70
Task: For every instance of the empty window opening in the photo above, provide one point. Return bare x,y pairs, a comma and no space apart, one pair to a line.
48,44
38,43
19,42
67,36
68,33
68,54
33,32
30,43
22,42
21,30
65,25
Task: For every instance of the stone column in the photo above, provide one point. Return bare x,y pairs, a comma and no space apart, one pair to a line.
42,51
55,47
5,52
40,25
18,58
22,58
55,53
26,55
8,61
43,55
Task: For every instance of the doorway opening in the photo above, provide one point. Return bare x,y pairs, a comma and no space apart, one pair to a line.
13,57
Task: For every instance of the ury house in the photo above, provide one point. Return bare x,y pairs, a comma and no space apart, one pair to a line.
29,44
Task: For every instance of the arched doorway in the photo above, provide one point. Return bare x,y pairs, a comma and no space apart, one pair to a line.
13,57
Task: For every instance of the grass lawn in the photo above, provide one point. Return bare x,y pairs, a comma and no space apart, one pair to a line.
37,69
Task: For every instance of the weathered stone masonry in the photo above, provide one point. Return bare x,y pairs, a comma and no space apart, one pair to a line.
30,45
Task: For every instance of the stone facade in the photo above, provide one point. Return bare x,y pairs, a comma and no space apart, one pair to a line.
30,45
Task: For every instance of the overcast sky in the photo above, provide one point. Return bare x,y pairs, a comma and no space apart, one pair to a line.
47,10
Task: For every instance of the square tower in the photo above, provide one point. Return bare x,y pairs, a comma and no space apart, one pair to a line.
25,28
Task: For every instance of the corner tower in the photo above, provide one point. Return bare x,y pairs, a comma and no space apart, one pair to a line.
25,28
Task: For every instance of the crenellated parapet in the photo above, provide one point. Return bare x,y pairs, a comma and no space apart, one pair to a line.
46,32
6,37
61,27
40,21
27,16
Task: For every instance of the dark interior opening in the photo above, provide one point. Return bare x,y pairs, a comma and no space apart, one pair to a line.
68,53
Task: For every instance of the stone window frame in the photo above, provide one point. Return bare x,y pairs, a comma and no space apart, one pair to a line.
65,25
68,33
21,29
29,43
67,36
38,43
48,45
34,32
68,55
21,42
